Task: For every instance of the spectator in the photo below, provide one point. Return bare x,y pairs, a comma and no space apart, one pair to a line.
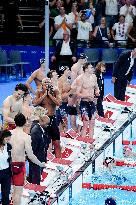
42,29
100,11
110,201
10,11
119,31
128,11
56,10
90,13
21,145
5,166
84,30
40,143
102,35
62,23
111,11
132,35
12,105
65,53
100,69
74,18
123,72
52,3
68,5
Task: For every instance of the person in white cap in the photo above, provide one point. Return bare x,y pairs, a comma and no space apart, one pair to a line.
37,76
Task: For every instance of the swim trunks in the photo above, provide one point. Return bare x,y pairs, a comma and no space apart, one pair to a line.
18,173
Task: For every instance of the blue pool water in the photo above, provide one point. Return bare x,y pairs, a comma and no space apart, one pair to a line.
118,176
97,197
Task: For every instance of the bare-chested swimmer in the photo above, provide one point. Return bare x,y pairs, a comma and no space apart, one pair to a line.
76,70
87,89
37,76
64,85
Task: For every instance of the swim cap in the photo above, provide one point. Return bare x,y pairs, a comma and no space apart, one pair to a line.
110,201
42,60
127,147
108,160
83,56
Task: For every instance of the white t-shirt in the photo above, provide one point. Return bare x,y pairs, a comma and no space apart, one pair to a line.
58,20
65,49
83,30
111,7
121,31
128,12
3,159
72,18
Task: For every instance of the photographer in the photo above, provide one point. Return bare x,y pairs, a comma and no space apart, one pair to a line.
49,98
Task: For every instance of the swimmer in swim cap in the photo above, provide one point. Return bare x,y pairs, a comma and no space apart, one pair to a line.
109,162
127,151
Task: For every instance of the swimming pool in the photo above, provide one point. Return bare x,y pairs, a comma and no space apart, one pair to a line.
124,176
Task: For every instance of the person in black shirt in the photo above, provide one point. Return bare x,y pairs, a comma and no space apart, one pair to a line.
100,69
123,73
40,143
9,14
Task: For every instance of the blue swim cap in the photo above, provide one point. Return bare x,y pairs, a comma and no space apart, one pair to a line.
110,201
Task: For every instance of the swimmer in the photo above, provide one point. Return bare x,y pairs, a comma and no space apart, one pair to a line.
37,76
12,105
109,162
65,90
87,89
128,153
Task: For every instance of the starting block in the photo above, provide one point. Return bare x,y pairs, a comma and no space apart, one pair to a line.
67,152
131,89
71,134
85,139
108,114
112,102
34,187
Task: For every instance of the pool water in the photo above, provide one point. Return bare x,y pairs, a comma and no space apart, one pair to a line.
118,176
97,197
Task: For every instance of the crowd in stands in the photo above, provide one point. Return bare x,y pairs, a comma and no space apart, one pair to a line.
102,23
92,23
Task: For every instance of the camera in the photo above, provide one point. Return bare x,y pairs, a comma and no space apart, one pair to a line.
50,89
